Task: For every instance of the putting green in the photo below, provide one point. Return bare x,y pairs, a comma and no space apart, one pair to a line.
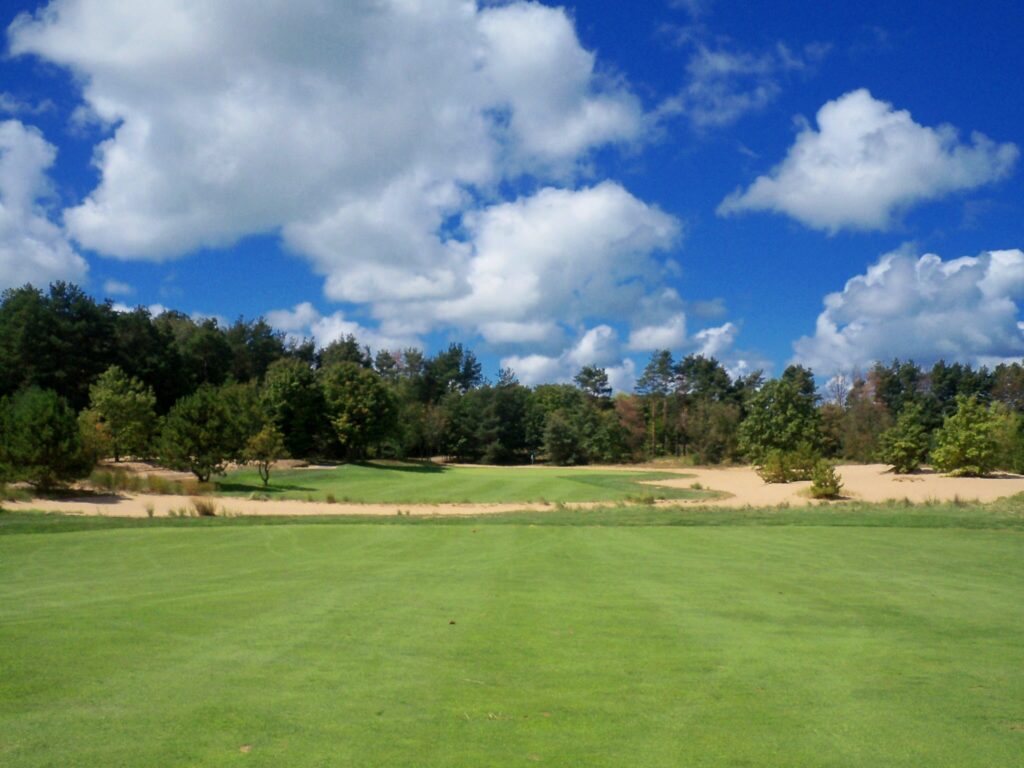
470,644
422,483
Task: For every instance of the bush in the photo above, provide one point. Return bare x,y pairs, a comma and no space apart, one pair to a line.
967,446
825,482
788,466
905,445
204,507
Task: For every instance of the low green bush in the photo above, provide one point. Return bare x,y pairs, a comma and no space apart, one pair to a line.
825,481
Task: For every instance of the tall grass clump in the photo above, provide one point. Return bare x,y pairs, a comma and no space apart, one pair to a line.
204,507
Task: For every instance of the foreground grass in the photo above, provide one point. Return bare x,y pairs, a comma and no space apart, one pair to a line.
425,483
835,636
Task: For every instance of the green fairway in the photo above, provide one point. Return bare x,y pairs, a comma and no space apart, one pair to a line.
423,483
728,642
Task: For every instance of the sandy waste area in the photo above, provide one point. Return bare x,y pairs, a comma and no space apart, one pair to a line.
867,482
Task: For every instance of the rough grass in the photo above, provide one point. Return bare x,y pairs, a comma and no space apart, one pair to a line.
855,636
424,483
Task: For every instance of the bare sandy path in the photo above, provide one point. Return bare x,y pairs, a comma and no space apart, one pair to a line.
869,482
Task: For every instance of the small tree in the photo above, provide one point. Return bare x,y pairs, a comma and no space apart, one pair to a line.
825,481
905,445
126,408
199,434
39,440
263,449
967,446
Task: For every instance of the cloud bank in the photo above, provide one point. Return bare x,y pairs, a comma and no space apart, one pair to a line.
922,308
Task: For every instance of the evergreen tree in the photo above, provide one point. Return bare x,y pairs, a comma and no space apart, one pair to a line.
905,445
40,442
967,444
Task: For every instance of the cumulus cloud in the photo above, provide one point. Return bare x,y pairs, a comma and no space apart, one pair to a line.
601,346
866,163
342,119
668,335
558,253
305,321
32,248
598,346
922,308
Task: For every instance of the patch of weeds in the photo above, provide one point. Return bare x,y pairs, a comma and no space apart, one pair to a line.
149,509
696,487
331,499
257,496
204,507
7,493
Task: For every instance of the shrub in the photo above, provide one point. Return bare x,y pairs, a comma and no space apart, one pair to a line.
825,482
204,507
966,446
788,466
905,445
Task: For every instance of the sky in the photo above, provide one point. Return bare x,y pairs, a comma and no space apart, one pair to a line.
555,186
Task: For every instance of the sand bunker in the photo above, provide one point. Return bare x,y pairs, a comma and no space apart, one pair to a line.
862,482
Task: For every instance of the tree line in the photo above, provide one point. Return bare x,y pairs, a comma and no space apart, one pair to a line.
80,381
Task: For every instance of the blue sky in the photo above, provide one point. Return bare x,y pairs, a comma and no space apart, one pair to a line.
554,185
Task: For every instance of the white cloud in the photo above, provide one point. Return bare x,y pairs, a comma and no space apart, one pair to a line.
32,248
305,321
922,309
13,105
117,288
565,254
297,319
668,335
723,84
359,122
866,163
598,346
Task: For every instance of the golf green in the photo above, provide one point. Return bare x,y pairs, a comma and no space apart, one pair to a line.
512,644
424,483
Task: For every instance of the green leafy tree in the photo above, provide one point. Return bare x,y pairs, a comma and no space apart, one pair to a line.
781,416
199,434
263,449
905,445
294,402
247,415
40,442
362,409
562,442
967,445
127,409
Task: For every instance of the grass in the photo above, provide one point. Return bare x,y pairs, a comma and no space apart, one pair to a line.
424,483
854,635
